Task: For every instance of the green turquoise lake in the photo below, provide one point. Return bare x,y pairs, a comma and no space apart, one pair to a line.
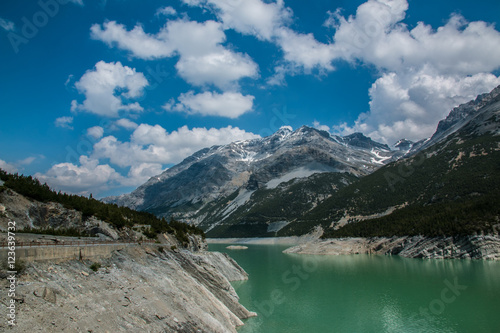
363,293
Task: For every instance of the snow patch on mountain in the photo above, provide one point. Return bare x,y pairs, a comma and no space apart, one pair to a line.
302,172
242,198
379,159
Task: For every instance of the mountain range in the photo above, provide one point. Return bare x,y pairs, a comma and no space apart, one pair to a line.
292,181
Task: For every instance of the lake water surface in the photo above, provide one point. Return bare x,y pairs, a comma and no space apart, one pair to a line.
363,293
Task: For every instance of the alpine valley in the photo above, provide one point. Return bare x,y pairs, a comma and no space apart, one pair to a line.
294,181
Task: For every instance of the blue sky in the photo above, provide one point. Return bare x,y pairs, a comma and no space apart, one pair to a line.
98,96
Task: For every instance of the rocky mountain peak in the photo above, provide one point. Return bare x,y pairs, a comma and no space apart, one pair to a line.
285,130
463,112
236,183
219,171
362,141
403,145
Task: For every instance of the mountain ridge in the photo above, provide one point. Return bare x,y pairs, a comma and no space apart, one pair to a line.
220,170
269,186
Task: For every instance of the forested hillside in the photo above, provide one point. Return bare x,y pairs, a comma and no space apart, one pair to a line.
117,216
449,189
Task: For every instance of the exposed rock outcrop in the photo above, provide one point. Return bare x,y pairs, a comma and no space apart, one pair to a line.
34,214
139,289
468,247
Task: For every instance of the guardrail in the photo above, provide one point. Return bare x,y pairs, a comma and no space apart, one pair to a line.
74,243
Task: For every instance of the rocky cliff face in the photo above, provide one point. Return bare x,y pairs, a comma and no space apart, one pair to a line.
136,290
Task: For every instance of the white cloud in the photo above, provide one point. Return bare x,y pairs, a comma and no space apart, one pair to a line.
108,87
228,104
249,17
153,144
203,60
90,176
321,127
167,11
126,123
139,174
141,45
410,105
222,68
7,25
424,72
268,21
303,50
95,132
409,60
377,36
11,168
64,122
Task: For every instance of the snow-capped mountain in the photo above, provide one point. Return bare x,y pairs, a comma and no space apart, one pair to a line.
361,141
290,181
448,184
216,172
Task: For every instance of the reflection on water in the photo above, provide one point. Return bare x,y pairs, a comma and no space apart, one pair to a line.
363,293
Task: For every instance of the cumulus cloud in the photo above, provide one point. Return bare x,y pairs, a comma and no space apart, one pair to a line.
376,35
95,132
92,177
228,104
454,58
409,60
126,123
64,122
424,72
303,50
11,168
139,43
203,60
249,17
268,21
153,144
222,68
139,174
88,177
410,105
108,88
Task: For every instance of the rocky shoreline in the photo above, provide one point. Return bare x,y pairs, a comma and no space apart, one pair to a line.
466,247
168,286
138,289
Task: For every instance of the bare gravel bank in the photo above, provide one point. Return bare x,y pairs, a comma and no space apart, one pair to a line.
467,247
138,289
